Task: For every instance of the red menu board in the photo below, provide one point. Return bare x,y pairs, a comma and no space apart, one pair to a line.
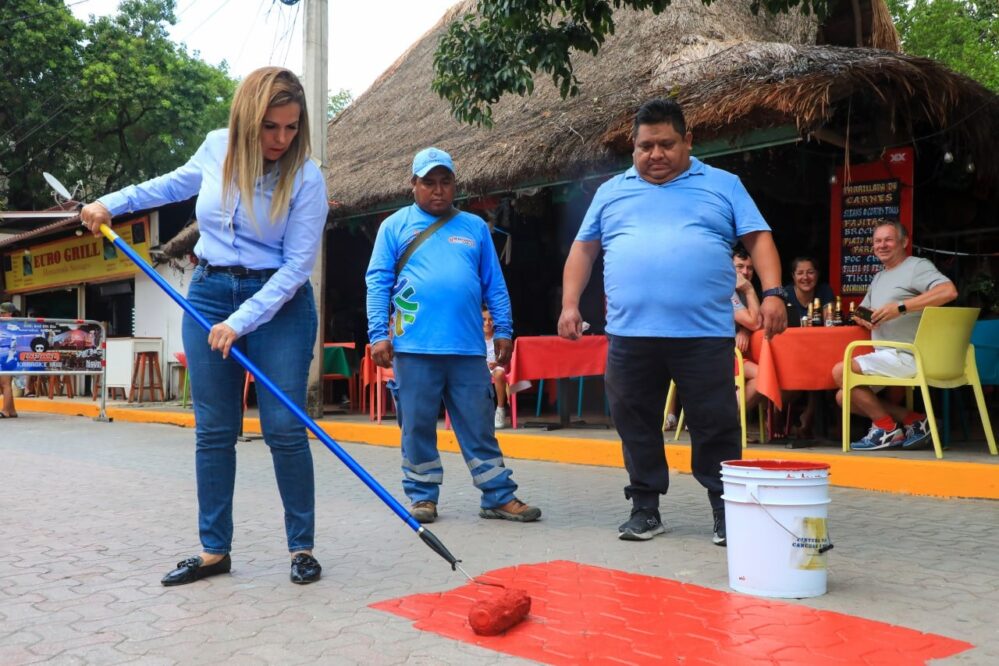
859,198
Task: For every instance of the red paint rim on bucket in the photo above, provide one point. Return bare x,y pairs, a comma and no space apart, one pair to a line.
778,465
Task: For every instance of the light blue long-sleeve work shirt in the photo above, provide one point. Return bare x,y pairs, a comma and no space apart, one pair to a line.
230,237
437,298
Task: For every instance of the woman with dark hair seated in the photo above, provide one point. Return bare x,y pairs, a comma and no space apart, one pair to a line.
805,287
803,290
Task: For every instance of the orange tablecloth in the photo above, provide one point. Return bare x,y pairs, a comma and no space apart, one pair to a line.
801,359
552,357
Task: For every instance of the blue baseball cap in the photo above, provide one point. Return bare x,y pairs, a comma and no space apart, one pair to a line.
429,158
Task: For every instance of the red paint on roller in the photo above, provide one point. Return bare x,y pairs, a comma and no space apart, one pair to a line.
590,615
494,616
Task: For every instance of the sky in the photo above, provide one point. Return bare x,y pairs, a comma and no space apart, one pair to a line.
365,36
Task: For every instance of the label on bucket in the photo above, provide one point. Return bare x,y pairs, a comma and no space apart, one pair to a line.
811,535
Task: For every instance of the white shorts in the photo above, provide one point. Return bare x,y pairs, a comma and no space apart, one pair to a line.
888,363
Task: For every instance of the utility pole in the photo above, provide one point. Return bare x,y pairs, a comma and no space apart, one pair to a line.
315,75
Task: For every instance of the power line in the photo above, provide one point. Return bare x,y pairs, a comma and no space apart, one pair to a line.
249,33
205,21
52,145
291,34
44,11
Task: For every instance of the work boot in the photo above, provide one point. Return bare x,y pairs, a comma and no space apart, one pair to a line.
424,511
513,510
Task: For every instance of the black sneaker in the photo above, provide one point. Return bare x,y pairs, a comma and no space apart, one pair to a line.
642,526
719,536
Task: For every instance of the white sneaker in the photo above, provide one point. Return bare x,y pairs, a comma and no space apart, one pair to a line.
499,420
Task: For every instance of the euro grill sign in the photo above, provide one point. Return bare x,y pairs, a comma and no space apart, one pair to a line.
75,260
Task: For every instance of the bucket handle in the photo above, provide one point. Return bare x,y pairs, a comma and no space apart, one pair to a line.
752,488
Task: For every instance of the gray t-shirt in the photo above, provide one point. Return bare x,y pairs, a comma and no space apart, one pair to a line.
910,278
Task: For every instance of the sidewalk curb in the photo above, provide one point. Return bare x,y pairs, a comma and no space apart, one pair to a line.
932,478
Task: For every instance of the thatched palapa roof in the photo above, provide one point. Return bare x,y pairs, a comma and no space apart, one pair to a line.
732,71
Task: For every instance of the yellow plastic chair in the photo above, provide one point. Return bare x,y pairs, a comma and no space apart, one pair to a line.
740,382
945,358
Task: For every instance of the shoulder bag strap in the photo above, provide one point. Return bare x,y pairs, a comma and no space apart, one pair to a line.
424,235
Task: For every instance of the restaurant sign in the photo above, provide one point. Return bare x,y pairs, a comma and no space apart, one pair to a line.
74,260
860,197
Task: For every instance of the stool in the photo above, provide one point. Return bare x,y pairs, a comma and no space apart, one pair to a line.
146,375
63,383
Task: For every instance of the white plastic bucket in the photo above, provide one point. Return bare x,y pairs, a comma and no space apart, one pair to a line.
775,523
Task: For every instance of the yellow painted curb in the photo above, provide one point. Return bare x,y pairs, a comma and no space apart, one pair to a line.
933,478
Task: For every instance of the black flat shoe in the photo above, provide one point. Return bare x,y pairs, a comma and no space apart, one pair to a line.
305,569
191,570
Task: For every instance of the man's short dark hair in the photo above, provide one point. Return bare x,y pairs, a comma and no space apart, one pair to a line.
740,252
658,111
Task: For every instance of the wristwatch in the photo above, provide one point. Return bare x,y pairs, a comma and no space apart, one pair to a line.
901,308
775,291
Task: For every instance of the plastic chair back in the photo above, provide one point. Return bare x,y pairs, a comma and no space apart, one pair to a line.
985,337
943,338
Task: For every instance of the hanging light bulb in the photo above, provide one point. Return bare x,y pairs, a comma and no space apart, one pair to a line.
948,157
833,180
970,167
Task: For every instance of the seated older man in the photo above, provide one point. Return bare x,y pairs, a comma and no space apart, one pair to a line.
897,296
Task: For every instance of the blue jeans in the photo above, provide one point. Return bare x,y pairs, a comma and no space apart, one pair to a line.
282,349
464,383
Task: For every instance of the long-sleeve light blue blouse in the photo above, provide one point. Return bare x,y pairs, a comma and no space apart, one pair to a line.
230,236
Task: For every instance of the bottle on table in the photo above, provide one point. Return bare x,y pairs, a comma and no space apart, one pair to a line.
838,313
816,313
807,319
849,320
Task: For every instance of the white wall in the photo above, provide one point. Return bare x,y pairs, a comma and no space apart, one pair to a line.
156,315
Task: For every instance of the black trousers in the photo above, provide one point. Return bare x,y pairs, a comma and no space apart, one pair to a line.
637,378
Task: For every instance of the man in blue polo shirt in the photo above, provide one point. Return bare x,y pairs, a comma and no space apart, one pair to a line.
437,345
667,227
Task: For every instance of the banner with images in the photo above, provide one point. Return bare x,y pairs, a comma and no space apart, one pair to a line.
52,346
880,190
76,259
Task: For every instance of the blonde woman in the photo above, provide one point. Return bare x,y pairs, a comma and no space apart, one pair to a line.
261,210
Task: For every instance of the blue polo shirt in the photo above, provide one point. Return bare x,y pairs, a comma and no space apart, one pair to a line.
668,250
436,301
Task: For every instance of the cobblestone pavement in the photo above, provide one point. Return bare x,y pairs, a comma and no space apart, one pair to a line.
93,514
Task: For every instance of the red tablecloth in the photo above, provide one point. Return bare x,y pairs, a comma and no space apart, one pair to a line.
552,357
801,359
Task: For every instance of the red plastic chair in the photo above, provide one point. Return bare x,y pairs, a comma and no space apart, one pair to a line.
186,390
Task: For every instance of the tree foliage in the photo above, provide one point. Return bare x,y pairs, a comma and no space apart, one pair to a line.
962,34
338,101
103,103
499,49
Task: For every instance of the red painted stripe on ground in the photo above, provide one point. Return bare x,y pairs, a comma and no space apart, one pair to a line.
585,614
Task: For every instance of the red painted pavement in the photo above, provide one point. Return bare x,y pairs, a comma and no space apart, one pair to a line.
589,614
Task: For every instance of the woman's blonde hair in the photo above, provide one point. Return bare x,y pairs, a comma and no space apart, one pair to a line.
244,159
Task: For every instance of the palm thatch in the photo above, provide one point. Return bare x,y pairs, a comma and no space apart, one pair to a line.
732,71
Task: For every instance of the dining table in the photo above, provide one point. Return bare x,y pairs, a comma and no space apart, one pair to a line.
552,357
801,359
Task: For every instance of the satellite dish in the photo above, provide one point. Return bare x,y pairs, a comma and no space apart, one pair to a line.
59,188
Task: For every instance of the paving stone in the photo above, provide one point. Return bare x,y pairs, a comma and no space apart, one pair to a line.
85,544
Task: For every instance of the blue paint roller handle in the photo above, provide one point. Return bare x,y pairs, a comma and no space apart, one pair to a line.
313,427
